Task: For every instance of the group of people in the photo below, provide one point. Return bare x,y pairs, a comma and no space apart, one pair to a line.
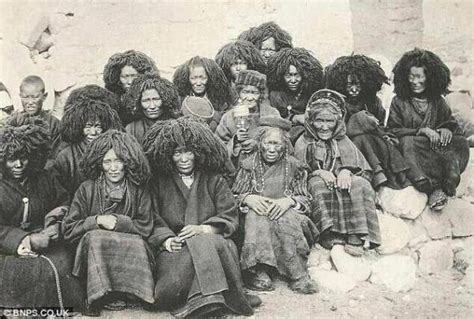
180,195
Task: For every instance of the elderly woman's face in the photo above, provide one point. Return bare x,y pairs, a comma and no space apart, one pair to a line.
183,160
92,130
237,66
250,95
353,86
127,75
16,168
268,48
272,146
417,79
198,80
324,124
151,104
113,166
293,79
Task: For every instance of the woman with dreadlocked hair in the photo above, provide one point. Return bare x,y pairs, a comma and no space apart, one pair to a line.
236,56
120,71
32,205
272,189
203,77
359,78
430,138
197,264
268,37
153,99
110,220
343,199
83,121
293,75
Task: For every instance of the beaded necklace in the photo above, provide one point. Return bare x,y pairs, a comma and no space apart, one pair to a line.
258,181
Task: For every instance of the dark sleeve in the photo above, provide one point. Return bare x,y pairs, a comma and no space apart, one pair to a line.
395,120
10,237
227,218
299,188
445,117
61,171
277,102
378,111
142,221
78,221
160,231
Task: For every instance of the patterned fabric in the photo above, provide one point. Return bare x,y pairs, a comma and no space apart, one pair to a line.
284,243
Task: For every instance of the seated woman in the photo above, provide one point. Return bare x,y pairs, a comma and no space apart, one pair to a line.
204,78
343,199
271,187
110,219
430,138
293,76
359,78
197,264
35,266
238,126
83,121
268,37
151,98
120,71
238,56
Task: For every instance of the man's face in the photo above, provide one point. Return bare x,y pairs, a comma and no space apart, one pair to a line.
151,104
250,95
272,146
16,167
237,66
293,79
353,86
32,96
198,80
127,75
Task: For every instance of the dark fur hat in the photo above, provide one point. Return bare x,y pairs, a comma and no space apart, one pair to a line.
306,64
136,59
167,91
126,147
239,49
437,73
217,87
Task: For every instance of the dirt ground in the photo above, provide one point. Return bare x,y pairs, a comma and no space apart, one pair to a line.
435,296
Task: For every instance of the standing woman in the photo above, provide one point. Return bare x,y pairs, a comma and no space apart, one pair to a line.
152,98
268,37
110,220
343,199
430,138
83,121
197,264
203,77
120,71
294,74
360,78
238,56
35,266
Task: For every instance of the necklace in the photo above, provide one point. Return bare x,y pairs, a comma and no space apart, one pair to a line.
333,164
258,181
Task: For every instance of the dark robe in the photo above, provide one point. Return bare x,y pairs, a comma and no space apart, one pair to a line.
228,127
340,211
138,128
283,244
388,165
429,169
206,270
117,260
66,167
30,282
289,104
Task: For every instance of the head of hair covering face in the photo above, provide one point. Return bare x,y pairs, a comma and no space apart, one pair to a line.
326,101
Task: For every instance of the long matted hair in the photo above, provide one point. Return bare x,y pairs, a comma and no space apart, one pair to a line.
266,30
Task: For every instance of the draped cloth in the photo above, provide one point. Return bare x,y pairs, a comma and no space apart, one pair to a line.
117,260
335,210
283,244
388,165
441,167
204,275
30,282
